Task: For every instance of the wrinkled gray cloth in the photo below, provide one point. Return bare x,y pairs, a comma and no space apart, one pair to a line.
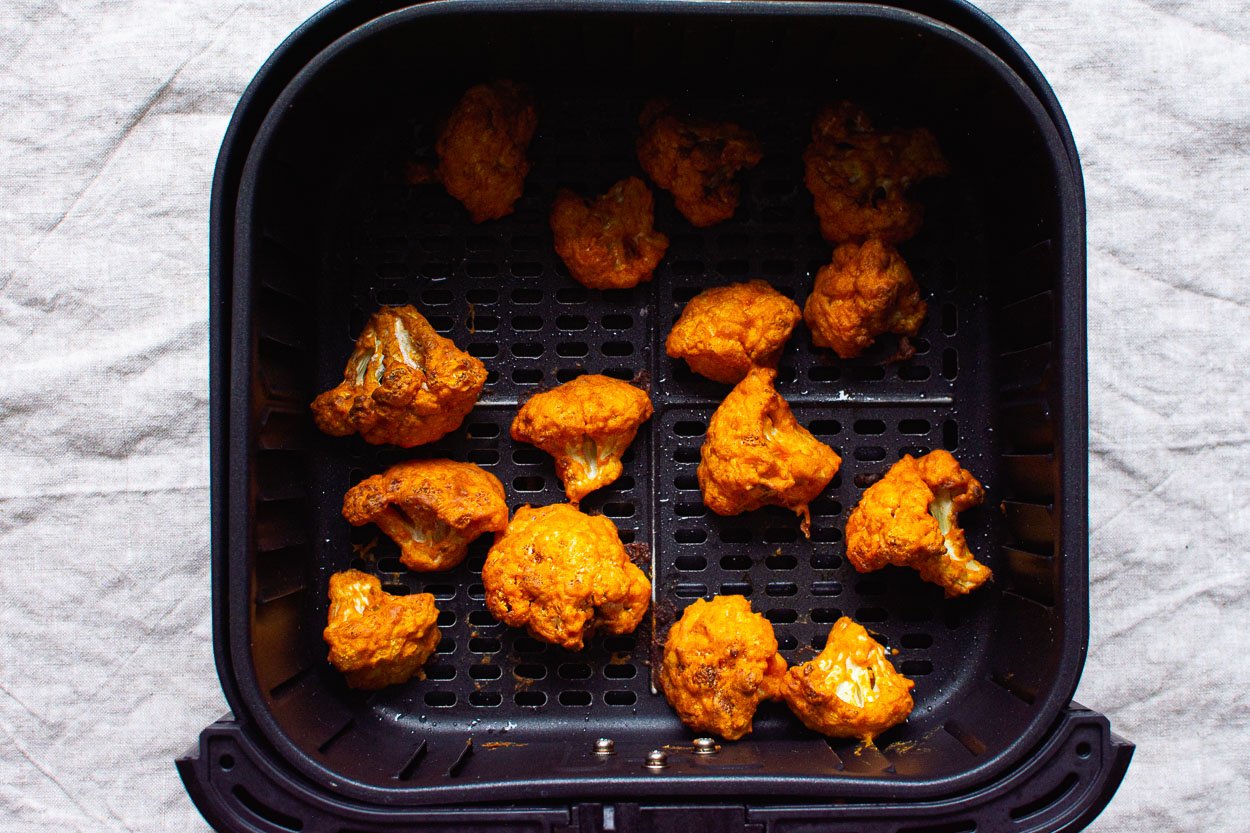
111,113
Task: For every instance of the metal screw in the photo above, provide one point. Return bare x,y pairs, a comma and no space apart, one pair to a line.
657,759
605,746
704,746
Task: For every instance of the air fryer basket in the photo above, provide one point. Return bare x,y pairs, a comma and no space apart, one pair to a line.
326,230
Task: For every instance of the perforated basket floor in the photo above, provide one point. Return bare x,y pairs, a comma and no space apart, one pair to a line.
499,291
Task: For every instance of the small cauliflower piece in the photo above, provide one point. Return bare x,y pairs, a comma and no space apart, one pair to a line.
563,575
377,639
756,454
404,384
586,425
482,149
725,331
907,518
866,291
720,661
696,161
859,176
609,242
432,509
850,690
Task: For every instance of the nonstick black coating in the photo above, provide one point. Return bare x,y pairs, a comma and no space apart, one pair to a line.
334,232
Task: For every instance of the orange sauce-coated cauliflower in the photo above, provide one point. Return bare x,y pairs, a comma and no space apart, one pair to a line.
404,384
609,242
866,291
850,690
725,331
696,161
756,454
586,425
859,176
720,661
432,508
907,518
377,639
482,148
563,575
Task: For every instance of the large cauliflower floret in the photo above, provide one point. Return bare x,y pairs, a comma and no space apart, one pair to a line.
377,639
432,508
696,161
404,384
564,575
907,518
609,242
850,690
586,425
859,176
720,661
866,291
482,148
756,454
725,331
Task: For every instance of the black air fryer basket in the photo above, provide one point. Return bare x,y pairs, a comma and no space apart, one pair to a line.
314,227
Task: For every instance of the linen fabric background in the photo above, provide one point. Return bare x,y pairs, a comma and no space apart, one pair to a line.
111,115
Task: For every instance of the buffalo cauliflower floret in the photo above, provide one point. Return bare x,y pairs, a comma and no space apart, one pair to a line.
850,690
432,509
404,384
564,575
377,639
696,161
859,176
907,518
720,661
586,425
866,291
725,331
756,454
482,148
609,242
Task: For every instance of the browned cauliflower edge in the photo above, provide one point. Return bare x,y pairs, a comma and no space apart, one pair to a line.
432,509
563,575
859,177
586,425
482,148
377,639
720,661
696,161
850,690
609,242
907,518
404,384
757,454
865,291
725,331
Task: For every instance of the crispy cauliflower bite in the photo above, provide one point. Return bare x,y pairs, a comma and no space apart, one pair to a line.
432,508
696,161
907,518
404,384
859,176
609,242
377,639
756,454
725,331
866,291
564,575
850,690
720,661
586,425
482,148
